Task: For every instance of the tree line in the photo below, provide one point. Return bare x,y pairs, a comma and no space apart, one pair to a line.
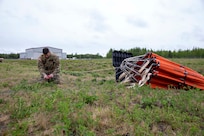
9,56
194,53
84,56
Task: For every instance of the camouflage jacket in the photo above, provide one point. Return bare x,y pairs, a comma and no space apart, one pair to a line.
49,65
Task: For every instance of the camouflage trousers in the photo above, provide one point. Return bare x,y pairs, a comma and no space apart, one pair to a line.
55,79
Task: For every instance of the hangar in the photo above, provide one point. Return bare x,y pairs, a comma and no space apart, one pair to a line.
34,53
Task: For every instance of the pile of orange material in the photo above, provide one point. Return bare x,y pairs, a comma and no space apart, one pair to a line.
159,72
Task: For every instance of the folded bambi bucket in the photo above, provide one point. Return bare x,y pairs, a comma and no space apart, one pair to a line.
156,71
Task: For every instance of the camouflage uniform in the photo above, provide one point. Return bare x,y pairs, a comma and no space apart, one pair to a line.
50,65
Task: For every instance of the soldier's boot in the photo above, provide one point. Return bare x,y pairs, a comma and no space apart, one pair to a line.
56,79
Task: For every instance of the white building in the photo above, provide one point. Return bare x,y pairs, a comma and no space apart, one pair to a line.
34,53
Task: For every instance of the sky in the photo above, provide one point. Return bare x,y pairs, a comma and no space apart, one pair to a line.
96,26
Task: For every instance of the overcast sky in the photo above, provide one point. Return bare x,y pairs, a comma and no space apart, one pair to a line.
95,26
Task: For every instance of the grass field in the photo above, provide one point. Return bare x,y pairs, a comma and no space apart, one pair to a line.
90,103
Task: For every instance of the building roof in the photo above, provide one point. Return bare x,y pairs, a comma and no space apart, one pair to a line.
44,47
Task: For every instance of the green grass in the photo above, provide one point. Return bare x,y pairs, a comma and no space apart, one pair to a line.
89,102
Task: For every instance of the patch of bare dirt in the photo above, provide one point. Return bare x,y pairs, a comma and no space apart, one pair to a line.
4,120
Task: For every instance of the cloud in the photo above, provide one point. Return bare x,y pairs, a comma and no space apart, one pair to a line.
198,34
137,22
89,26
97,21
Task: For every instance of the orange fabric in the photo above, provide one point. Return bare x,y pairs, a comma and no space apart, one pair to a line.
171,74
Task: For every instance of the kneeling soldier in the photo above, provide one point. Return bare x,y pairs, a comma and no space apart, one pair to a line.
48,65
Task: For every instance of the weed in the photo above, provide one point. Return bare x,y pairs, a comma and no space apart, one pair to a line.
89,99
1,101
20,129
24,85
76,74
21,110
5,85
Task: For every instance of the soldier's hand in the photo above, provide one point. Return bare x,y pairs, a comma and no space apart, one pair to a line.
46,77
51,76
